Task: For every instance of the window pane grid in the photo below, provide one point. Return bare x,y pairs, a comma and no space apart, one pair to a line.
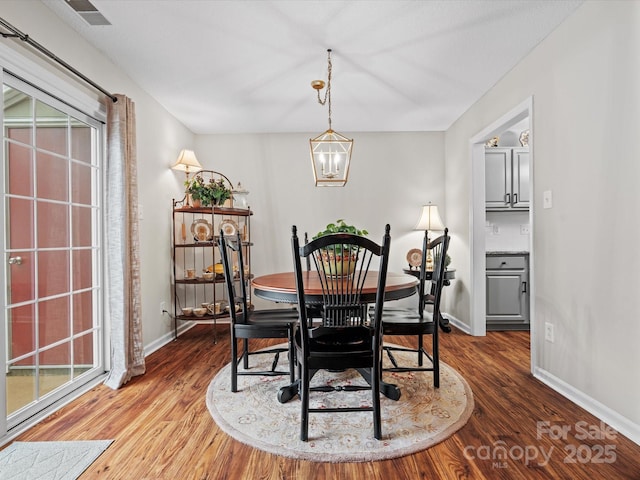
52,214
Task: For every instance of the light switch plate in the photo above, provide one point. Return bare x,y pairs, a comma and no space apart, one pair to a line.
547,199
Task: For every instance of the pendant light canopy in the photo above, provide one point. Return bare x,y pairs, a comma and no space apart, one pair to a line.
330,151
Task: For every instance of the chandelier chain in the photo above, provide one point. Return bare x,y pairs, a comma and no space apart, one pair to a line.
327,93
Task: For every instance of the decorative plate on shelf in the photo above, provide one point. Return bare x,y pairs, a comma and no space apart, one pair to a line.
228,227
202,230
414,257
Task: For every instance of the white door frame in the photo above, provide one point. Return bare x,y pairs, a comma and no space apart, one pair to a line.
477,219
35,74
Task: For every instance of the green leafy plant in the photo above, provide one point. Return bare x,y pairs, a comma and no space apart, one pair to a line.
213,192
340,227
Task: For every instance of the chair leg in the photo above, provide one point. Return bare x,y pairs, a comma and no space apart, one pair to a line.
375,398
234,363
436,359
292,357
245,353
303,392
420,350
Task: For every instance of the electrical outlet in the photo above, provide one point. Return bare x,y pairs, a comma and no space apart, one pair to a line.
496,229
548,332
524,229
547,199
163,308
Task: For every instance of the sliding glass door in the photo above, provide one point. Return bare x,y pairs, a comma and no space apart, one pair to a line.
52,330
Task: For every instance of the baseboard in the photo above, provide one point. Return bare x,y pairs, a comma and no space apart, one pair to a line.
168,337
621,424
453,321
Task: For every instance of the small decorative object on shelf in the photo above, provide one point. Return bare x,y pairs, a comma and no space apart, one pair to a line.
524,138
414,258
240,197
202,230
229,227
492,142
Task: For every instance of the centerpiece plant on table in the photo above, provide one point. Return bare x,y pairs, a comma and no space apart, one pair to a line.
340,259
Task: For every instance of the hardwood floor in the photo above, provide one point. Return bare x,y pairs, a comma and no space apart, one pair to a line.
163,430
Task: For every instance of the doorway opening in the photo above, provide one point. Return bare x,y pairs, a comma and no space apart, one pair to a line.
52,334
508,122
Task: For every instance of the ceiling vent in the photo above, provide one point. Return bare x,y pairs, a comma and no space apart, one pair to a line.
88,12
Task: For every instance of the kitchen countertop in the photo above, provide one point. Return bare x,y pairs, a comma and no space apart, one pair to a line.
509,252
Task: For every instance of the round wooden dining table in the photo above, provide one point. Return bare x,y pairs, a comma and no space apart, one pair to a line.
281,287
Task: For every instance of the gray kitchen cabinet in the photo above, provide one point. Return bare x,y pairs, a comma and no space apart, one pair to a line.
507,178
507,277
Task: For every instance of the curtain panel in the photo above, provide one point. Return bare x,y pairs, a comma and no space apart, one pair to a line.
122,244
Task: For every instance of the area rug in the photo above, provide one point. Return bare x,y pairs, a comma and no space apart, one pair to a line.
49,460
422,417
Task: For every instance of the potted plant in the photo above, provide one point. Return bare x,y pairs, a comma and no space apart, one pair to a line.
339,260
214,192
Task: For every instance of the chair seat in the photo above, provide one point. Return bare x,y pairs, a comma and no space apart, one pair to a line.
406,322
271,324
350,340
283,316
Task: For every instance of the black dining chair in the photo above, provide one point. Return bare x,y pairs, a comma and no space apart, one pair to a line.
419,322
345,337
248,323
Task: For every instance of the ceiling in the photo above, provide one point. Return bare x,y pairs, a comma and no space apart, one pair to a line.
245,66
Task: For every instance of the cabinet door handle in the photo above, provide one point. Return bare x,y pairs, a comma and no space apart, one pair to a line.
507,198
515,198
524,287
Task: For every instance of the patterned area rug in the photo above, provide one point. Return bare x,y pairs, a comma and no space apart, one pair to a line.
421,418
49,460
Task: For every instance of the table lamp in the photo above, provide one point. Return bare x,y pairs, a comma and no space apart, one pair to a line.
430,220
187,162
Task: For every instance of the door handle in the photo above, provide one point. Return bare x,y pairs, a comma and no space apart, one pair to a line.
15,260
515,198
507,198
524,287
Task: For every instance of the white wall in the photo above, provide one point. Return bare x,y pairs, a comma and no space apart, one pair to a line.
584,80
160,138
392,175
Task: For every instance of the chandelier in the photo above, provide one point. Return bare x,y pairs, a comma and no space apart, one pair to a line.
330,151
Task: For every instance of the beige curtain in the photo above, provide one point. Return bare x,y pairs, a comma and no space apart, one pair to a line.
123,259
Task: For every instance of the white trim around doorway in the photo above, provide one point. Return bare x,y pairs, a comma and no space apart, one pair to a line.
478,324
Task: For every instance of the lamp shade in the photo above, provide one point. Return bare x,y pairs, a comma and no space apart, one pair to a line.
430,219
187,162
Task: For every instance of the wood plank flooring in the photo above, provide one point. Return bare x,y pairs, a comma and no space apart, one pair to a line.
162,428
